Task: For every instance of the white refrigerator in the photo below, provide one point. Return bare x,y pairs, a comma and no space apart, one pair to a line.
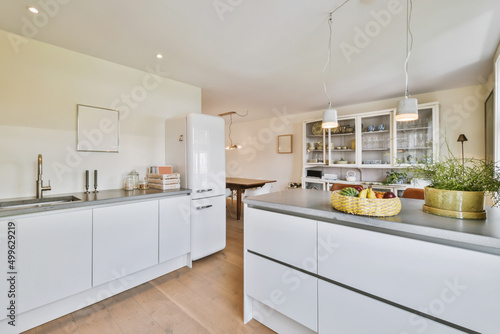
194,146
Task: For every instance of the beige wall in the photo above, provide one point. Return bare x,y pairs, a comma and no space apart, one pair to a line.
461,111
41,85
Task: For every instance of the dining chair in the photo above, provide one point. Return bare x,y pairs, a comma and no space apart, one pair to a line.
415,193
229,193
265,189
340,186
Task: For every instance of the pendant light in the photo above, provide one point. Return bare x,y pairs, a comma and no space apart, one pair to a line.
408,107
231,113
329,115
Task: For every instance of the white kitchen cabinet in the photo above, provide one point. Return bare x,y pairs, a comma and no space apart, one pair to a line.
376,139
449,283
341,146
282,237
314,143
286,290
418,141
175,227
125,240
369,140
3,266
54,254
343,311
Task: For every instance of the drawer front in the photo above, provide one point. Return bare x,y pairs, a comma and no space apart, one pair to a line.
282,237
343,311
453,284
288,291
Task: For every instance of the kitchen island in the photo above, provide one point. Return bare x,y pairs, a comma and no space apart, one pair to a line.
310,268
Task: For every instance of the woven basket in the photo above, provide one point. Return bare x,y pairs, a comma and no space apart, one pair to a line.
366,206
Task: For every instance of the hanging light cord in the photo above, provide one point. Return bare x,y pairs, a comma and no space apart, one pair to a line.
328,60
409,41
231,122
329,52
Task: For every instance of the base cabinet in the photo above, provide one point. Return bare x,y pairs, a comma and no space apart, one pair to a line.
54,257
125,240
343,311
175,227
442,281
286,290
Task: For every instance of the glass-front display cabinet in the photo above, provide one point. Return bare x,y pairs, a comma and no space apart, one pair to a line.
342,143
376,139
417,141
314,144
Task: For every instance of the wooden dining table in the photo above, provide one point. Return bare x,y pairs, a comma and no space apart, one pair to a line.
240,184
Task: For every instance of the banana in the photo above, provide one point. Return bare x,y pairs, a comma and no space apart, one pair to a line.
371,194
363,193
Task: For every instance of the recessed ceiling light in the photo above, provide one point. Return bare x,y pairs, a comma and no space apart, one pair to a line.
159,56
32,9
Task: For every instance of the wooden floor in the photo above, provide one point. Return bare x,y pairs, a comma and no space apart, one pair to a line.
205,299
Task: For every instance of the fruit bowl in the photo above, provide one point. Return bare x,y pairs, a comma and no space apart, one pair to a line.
375,207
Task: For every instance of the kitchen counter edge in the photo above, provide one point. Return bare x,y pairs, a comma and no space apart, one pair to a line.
90,199
411,222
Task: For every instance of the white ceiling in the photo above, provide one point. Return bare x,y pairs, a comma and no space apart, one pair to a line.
260,55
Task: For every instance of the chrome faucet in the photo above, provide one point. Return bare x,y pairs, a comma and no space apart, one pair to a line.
40,188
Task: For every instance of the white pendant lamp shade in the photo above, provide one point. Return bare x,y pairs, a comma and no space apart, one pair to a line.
330,119
407,110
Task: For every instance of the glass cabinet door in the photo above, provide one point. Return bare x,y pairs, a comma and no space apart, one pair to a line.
314,148
342,143
376,140
415,139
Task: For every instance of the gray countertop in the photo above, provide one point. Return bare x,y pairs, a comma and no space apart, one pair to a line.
90,199
481,235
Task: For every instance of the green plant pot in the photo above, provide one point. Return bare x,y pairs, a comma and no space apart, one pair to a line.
456,204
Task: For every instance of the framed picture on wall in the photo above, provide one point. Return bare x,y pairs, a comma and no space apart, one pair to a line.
98,129
489,127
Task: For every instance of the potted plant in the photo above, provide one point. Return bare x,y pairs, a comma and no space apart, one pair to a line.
394,177
457,187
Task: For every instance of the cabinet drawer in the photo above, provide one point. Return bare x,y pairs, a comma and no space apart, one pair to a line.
453,284
282,237
343,311
286,290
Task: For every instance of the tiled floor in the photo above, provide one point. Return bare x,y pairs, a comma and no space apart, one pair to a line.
205,299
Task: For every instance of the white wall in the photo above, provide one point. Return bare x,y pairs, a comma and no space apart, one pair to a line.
40,86
461,111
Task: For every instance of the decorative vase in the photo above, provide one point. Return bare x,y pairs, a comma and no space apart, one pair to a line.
455,204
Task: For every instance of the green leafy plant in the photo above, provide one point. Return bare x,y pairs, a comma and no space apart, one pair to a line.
452,174
395,177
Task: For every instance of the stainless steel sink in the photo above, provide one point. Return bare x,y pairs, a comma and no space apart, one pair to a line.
36,202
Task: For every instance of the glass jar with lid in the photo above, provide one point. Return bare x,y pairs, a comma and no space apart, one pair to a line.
128,183
135,177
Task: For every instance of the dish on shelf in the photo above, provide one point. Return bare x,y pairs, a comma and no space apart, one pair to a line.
316,129
341,162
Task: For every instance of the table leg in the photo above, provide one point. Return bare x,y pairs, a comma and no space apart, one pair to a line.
238,204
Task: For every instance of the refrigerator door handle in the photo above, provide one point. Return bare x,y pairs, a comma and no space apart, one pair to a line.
203,207
203,190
